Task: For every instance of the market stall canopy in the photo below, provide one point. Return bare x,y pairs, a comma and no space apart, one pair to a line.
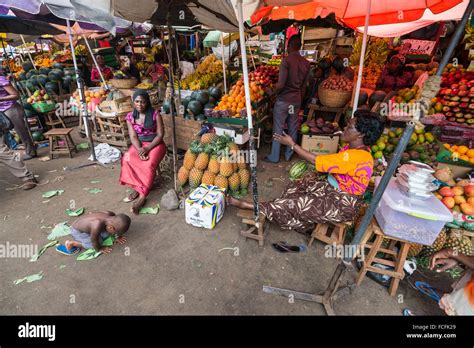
13,25
213,38
387,18
92,14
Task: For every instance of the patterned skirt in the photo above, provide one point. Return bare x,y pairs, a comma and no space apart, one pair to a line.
311,200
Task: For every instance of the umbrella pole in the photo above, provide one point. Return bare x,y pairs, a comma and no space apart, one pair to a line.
223,64
95,63
28,51
178,73
84,112
361,59
253,152
6,56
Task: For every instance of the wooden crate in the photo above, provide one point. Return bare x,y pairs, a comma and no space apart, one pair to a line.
185,131
112,130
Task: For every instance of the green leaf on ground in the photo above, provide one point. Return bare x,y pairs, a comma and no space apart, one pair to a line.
60,230
82,146
95,190
89,254
109,241
29,279
53,193
42,250
150,210
77,212
95,181
62,266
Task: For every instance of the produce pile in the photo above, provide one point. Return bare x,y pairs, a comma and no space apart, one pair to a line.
274,61
337,83
46,78
93,98
456,95
459,154
215,160
375,58
62,56
319,126
43,61
233,103
265,75
458,198
208,73
80,50
199,105
38,96
422,146
448,238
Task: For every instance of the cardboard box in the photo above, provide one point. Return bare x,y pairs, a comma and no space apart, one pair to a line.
320,144
458,171
205,206
239,135
117,106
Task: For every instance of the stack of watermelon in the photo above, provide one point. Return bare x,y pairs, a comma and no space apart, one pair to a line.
199,105
46,78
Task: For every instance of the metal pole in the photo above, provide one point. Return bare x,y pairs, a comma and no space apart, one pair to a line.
253,152
80,86
95,63
361,59
223,63
28,51
178,72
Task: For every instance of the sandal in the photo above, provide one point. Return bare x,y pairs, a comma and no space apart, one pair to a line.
427,290
131,197
283,247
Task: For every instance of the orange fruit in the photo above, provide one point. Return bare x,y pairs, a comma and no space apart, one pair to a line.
454,148
455,155
462,149
471,160
447,146
464,158
230,99
470,153
97,94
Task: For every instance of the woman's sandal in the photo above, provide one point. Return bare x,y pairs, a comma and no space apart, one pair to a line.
131,197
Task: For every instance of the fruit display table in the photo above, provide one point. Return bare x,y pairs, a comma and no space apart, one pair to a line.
315,107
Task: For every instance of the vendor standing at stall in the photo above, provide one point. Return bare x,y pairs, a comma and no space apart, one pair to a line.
106,71
395,75
290,91
157,71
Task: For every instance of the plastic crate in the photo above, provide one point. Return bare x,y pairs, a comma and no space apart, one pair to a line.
44,107
416,221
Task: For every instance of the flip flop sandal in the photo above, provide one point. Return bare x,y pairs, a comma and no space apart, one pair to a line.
63,250
301,246
408,313
131,197
282,248
427,290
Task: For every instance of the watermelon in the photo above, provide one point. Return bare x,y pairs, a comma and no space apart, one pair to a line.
22,76
185,101
30,86
53,76
27,106
200,117
298,169
202,97
363,97
27,66
194,107
34,80
376,96
29,113
68,72
216,93
44,71
42,79
67,80
37,136
209,106
29,74
194,95
188,117
57,66
51,86
166,107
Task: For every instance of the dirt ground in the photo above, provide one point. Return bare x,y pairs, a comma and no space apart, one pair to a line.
166,267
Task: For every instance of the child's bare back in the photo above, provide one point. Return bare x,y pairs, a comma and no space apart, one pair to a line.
92,221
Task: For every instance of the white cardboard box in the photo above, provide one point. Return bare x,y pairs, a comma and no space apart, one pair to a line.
239,138
205,206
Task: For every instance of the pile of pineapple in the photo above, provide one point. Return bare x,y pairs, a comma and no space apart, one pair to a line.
452,238
214,160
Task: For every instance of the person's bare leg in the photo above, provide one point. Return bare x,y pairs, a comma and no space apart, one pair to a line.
71,244
140,202
239,204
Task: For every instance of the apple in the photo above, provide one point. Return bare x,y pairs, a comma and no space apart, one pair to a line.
470,200
42,92
449,202
46,97
459,199
458,190
467,209
469,190
446,192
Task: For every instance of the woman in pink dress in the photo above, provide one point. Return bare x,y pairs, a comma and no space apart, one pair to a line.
139,164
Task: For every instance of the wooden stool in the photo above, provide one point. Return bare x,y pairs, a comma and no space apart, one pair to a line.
54,120
337,232
398,257
249,229
64,134
313,108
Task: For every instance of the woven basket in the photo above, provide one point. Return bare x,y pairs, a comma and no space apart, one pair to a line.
332,98
123,83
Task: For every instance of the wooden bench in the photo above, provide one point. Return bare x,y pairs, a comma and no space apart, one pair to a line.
249,228
56,135
392,256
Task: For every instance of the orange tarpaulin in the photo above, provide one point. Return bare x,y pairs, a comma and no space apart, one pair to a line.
352,12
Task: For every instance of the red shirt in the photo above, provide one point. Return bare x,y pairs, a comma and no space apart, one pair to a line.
106,72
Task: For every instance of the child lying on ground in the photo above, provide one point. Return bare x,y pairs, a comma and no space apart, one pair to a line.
89,231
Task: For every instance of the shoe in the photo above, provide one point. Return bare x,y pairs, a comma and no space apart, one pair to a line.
27,157
268,160
30,184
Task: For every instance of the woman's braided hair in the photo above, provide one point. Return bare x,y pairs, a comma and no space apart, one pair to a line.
370,124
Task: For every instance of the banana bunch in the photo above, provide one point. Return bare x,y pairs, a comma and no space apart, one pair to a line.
144,85
376,52
468,33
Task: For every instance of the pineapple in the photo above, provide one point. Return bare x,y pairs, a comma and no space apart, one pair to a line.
458,241
415,249
183,175
226,167
191,155
214,165
208,138
221,181
241,163
202,159
208,178
437,245
233,148
234,182
236,167
244,175
195,176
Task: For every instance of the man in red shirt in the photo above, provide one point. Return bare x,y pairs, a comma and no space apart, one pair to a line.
105,70
290,91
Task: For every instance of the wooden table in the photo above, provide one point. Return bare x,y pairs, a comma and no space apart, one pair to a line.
316,107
